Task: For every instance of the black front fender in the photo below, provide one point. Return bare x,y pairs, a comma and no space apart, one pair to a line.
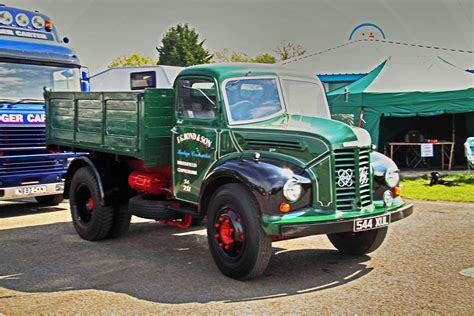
265,178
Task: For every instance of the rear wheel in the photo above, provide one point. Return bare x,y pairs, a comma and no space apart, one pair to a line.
91,220
239,246
121,221
358,243
54,199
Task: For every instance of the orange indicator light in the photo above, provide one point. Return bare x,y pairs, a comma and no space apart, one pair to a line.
396,191
48,25
285,207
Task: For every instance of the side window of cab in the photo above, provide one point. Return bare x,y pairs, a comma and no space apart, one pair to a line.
196,99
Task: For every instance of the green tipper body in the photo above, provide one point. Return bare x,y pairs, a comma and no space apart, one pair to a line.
123,123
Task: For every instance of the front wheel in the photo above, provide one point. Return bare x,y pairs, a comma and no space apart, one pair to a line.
54,199
238,244
358,243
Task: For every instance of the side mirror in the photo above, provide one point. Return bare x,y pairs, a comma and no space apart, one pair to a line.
85,73
85,84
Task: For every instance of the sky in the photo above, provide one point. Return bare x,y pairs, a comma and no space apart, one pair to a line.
100,30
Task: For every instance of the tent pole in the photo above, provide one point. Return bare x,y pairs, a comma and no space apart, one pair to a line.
453,128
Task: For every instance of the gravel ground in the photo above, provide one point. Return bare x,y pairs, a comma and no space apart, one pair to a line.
45,268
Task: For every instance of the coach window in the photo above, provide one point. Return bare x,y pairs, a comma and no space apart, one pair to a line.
142,80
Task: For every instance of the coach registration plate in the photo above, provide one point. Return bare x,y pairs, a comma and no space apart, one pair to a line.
371,223
30,190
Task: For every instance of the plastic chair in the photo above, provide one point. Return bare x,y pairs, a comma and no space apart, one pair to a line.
469,152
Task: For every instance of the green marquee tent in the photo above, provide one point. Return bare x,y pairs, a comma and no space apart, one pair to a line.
421,86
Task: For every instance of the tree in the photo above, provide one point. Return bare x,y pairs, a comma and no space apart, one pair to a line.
288,50
239,57
180,46
131,60
265,59
223,56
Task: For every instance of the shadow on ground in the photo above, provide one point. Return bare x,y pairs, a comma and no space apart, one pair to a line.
27,207
159,264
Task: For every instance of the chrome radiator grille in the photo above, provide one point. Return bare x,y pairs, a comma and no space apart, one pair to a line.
353,178
30,164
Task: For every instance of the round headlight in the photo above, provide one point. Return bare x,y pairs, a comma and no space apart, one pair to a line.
392,177
22,19
6,18
292,190
38,22
388,198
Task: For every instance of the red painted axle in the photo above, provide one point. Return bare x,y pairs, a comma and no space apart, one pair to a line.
184,223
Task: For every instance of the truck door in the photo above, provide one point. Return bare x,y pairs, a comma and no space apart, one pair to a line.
195,135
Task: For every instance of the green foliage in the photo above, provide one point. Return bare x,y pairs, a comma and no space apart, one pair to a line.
223,56
180,46
288,50
265,59
419,189
132,60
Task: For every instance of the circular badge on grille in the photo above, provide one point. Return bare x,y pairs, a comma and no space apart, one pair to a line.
344,177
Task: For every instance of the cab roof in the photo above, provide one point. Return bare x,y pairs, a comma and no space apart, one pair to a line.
232,70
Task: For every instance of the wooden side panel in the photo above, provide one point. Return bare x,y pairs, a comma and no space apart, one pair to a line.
123,123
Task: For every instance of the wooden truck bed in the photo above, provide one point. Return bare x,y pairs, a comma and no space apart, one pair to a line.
123,123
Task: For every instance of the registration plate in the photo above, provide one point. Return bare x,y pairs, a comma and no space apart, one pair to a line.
34,189
371,223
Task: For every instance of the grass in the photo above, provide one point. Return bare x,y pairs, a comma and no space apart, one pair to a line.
419,189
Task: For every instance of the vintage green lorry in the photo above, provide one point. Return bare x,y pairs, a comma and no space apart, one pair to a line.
252,147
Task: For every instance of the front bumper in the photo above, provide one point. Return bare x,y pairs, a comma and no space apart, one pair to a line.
330,226
27,191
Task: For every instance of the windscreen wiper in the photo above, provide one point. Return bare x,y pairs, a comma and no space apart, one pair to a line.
8,100
202,92
21,101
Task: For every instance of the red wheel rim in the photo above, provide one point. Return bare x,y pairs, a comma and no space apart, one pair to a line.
229,234
84,204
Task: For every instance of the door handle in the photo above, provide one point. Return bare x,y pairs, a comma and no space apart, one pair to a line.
174,130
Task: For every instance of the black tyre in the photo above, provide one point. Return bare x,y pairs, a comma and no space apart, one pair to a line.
54,199
150,207
121,221
239,246
358,243
197,220
91,220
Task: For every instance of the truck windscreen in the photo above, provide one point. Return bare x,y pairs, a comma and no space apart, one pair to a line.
305,98
252,99
26,81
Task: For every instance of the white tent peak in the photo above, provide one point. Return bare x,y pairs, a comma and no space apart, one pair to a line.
361,56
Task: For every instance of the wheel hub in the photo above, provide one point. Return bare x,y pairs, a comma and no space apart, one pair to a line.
85,204
229,233
90,204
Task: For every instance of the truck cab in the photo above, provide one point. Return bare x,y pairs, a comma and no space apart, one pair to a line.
250,146
32,58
